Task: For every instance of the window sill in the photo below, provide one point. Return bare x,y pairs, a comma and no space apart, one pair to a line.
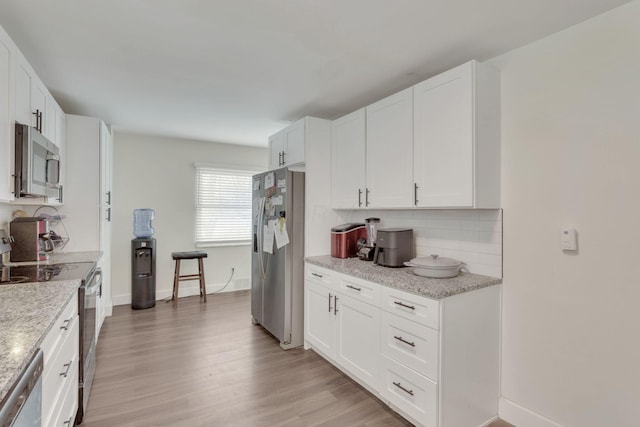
221,244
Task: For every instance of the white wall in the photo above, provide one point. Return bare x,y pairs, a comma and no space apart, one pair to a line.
571,155
159,173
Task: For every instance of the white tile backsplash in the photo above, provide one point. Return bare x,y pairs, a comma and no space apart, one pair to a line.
471,236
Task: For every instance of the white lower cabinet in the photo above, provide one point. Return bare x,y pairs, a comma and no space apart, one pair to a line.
341,327
412,394
357,338
60,373
435,362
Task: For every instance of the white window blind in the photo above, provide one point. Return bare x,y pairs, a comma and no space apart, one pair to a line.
223,206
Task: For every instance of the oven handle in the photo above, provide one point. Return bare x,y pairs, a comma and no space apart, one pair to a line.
94,285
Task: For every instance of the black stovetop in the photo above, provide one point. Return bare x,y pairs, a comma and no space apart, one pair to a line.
44,272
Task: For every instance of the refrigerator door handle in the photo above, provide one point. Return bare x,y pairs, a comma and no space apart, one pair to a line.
261,237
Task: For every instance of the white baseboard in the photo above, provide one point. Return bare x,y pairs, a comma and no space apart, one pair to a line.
519,416
188,290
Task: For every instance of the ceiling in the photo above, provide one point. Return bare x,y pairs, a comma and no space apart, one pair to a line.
237,71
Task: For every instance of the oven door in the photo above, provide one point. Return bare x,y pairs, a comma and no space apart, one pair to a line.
88,340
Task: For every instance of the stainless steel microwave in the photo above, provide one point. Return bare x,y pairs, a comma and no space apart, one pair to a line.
37,164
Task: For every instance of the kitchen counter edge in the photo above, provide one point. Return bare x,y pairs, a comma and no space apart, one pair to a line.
402,278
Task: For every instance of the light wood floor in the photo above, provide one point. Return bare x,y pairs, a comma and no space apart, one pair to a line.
206,365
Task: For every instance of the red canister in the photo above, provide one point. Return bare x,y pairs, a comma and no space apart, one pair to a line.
344,239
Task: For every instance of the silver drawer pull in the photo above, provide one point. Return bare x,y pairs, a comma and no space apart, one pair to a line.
404,305
403,389
66,372
68,422
330,302
354,288
412,344
317,275
66,324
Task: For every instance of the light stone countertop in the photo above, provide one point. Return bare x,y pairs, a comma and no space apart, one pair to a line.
27,312
403,278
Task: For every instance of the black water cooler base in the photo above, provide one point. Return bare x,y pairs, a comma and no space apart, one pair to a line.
143,273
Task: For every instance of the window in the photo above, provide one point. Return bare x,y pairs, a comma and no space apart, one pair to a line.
223,206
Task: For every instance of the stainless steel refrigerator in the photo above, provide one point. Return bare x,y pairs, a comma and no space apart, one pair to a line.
277,259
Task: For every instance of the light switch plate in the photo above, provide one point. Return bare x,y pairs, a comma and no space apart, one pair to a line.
569,239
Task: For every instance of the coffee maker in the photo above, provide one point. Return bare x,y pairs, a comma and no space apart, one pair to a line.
366,248
32,241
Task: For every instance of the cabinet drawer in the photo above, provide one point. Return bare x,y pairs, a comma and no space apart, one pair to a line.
411,344
413,307
359,289
59,330
319,275
61,371
65,412
410,392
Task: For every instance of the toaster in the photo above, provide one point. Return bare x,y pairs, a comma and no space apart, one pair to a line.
344,239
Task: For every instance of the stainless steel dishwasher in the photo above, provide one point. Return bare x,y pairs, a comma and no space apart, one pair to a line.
22,406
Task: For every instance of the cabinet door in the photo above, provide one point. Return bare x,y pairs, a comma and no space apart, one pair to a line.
347,161
106,173
389,149
23,110
51,122
443,139
320,318
294,137
358,338
6,128
276,147
39,104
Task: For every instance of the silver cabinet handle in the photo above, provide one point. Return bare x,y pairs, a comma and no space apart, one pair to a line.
330,302
403,389
317,275
359,197
366,197
354,288
108,197
335,305
412,344
66,323
415,194
108,214
404,305
66,372
284,161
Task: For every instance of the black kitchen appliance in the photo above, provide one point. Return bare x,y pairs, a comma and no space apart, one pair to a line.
143,273
394,247
31,239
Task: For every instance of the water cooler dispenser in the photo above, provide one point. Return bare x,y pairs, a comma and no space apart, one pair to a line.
143,261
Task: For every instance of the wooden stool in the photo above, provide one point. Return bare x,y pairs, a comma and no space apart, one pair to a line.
179,256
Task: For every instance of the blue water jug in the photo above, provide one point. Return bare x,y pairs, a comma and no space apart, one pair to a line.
142,228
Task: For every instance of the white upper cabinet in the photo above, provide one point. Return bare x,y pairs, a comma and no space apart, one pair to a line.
6,116
456,157
34,105
276,147
389,147
435,145
348,161
294,138
23,111
286,147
